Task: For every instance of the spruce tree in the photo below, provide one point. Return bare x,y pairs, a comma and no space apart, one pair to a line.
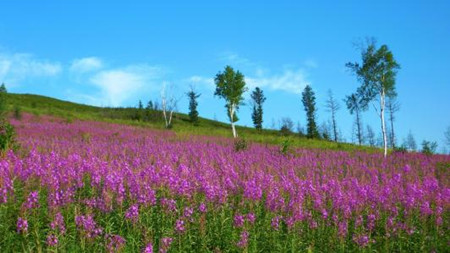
309,102
257,114
193,113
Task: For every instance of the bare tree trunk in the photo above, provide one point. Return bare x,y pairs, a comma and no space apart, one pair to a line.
358,126
383,124
334,126
233,128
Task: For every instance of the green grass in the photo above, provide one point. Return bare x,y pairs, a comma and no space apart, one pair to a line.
41,105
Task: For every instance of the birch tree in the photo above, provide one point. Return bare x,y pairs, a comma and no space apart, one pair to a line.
230,86
168,105
376,74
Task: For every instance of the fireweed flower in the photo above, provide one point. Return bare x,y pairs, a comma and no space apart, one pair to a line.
251,218
32,200
202,207
238,220
188,211
115,243
58,223
22,226
275,222
52,240
179,226
165,244
88,226
148,248
243,242
132,213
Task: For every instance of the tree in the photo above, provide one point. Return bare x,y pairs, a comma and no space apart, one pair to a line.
392,106
287,126
410,142
149,105
193,113
300,130
447,136
333,106
257,114
355,107
309,102
230,86
429,148
7,131
168,105
377,76
370,136
325,131
3,92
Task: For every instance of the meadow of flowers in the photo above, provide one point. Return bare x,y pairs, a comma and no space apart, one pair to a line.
101,187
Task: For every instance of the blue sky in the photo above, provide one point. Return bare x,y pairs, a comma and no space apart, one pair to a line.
117,52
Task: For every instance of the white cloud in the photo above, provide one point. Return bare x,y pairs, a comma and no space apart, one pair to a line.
234,58
87,64
118,85
292,81
311,64
202,81
17,67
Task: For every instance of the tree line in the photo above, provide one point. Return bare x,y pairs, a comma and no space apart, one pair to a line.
376,73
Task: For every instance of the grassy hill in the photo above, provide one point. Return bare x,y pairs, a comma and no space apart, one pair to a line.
41,105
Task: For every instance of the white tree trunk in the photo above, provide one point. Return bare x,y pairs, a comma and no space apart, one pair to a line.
233,128
383,123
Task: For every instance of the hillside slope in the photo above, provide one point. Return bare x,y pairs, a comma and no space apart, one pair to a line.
42,105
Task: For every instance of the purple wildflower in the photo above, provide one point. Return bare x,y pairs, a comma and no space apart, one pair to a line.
251,218
32,200
22,226
165,244
202,208
238,220
179,226
132,213
52,240
148,248
114,243
243,242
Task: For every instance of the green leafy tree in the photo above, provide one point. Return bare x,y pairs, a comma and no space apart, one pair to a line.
193,113
355,107
230,86
376,74
309,103
3,110
7,131
257,114
429,148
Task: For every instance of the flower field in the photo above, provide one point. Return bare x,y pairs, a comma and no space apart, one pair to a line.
101,187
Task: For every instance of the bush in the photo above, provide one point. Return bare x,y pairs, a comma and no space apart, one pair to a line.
285,147
240,144
17,112
7,137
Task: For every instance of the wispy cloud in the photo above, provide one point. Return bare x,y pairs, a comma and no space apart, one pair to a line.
118,85
234,58
17,67
292,81
85,65
201,81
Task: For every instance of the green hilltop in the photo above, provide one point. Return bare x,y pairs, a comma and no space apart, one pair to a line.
42,105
